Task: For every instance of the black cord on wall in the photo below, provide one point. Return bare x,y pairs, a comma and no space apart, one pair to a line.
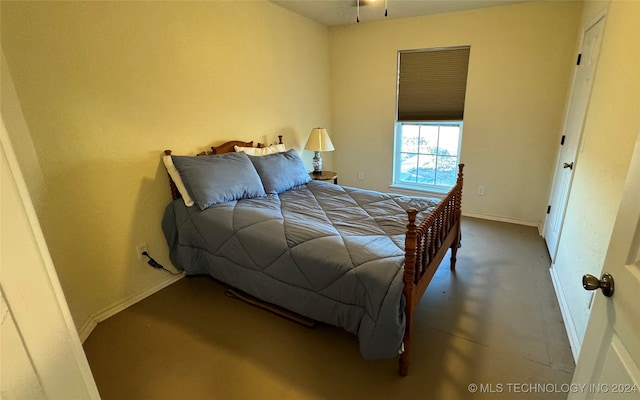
157,265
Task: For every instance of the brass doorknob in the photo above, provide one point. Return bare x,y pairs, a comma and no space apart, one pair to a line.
567,165
590,282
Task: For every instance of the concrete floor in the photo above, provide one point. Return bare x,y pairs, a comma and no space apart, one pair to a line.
494,323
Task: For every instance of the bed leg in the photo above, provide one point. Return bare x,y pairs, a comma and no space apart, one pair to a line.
454,249
404,365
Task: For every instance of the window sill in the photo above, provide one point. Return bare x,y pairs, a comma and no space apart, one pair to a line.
421,192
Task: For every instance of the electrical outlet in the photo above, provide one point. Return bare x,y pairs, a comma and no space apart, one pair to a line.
480,190
141,248
360,176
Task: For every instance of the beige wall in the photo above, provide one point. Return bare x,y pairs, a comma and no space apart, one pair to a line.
519,73
611,128
106,86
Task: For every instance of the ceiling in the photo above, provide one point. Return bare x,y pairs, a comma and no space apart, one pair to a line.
342,12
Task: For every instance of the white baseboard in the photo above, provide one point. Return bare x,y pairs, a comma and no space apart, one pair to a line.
502,219
92,321
569,326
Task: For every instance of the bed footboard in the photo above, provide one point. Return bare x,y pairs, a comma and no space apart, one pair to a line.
426,245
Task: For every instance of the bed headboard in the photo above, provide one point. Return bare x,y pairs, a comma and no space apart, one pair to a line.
226,147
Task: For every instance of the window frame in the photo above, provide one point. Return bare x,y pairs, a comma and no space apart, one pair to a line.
397,156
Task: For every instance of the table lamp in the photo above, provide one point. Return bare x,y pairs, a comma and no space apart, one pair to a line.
318,141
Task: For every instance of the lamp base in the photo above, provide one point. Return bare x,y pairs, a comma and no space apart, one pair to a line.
317,163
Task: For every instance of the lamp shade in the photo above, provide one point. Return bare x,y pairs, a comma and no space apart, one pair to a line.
319,141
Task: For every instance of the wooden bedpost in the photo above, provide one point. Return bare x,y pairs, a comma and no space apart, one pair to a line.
408,278
458,216
175,194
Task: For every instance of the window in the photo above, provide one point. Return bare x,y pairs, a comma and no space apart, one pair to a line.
427,154
428,131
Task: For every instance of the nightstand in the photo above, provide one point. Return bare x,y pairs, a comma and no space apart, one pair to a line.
325,176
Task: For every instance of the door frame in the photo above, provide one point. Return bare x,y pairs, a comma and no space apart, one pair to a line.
51,351
557,283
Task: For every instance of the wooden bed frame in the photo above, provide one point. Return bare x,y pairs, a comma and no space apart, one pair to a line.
426,244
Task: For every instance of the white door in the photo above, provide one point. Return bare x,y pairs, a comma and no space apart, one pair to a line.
574,121
41,356
609,362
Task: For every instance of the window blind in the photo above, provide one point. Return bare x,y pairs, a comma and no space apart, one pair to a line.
432,84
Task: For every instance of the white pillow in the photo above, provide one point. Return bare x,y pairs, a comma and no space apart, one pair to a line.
175,176
262,151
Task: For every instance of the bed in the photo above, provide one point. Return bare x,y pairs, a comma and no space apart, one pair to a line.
252,218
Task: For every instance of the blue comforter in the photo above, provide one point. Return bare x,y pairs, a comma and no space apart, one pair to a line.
331,253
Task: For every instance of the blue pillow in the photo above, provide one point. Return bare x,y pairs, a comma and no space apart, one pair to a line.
219,178
280,172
